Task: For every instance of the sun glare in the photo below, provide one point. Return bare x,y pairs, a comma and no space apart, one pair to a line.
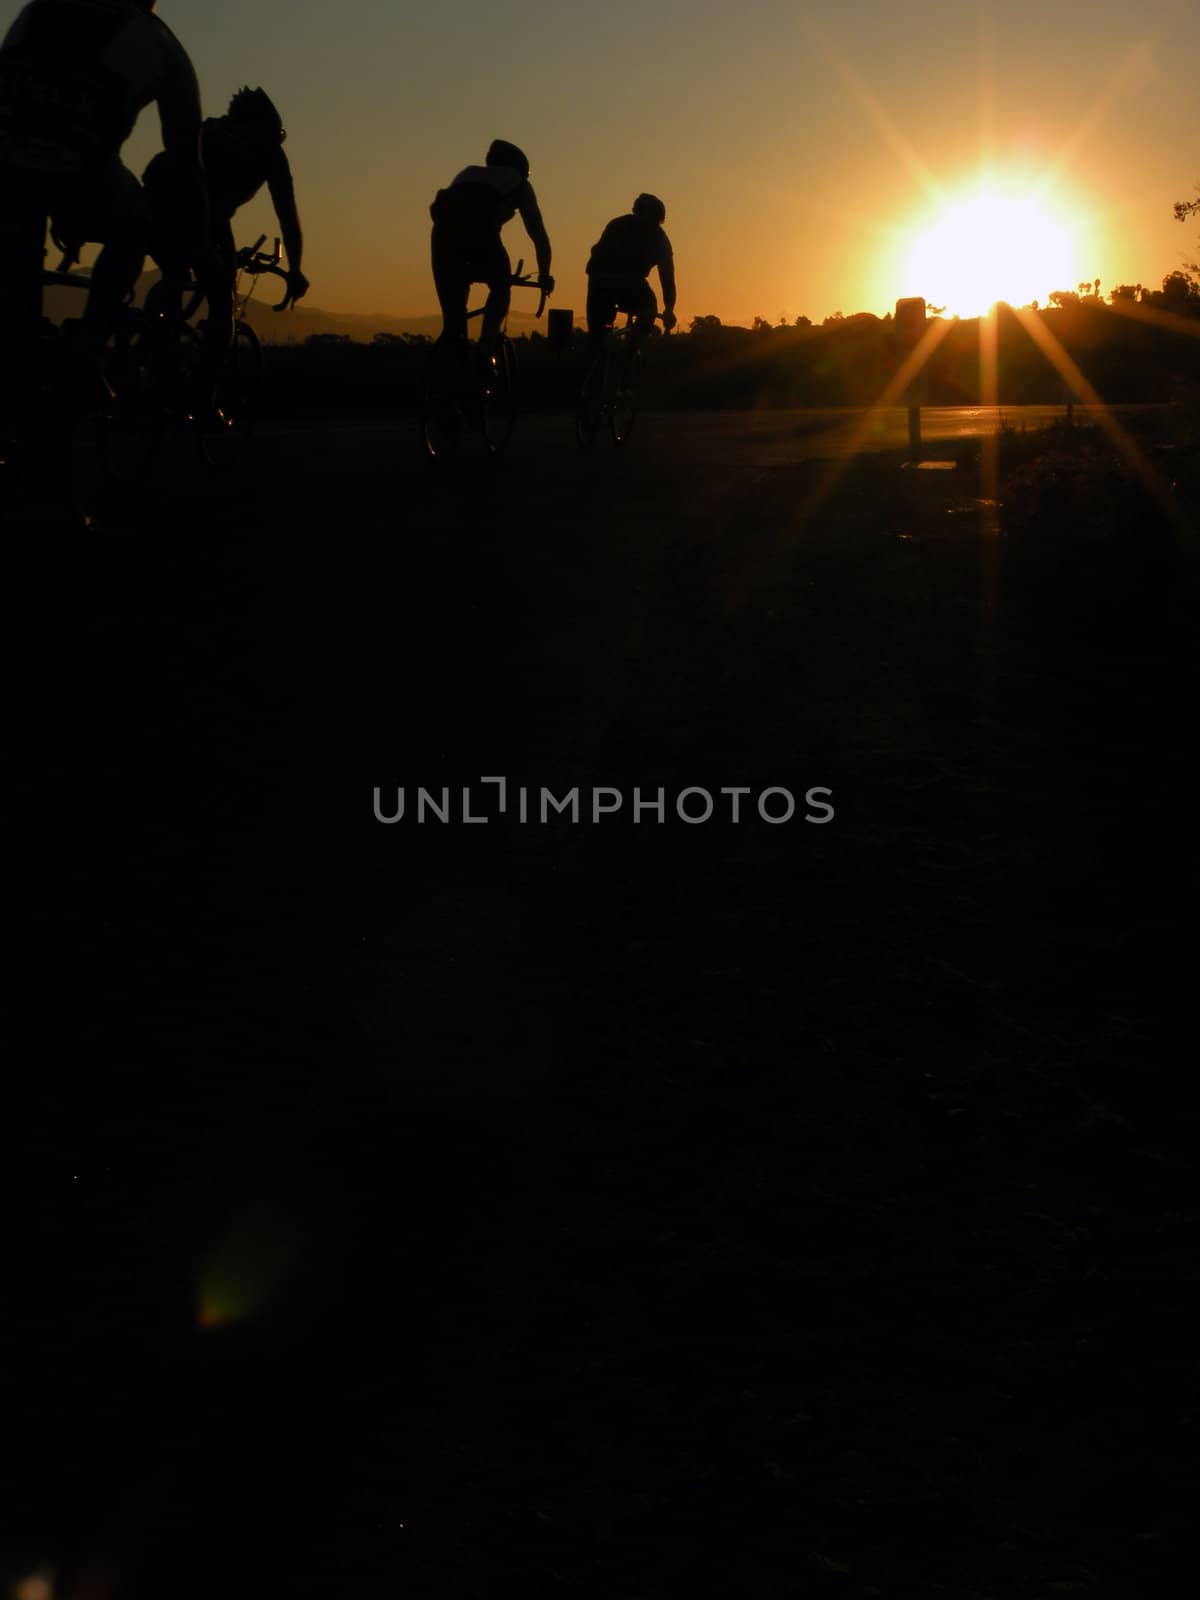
990,246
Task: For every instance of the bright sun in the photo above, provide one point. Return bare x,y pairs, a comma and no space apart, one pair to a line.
990,246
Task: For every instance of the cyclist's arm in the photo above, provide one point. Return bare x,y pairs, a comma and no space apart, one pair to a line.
531,216
283,198
666,276
180,117
178,100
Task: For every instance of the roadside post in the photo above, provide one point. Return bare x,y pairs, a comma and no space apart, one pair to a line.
909,326
560,323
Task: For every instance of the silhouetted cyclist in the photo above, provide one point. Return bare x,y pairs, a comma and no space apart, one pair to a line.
619,268
467,219
74,76
241,151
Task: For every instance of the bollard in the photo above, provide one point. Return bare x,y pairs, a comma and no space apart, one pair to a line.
560,324
909,329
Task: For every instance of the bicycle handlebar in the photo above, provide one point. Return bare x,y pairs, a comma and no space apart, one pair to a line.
251,260
520,280
71,280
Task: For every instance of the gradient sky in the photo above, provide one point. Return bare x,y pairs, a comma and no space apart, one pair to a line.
799,150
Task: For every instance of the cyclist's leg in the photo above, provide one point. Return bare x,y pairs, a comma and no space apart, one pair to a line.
452,280
495,269
601,309
220,284
176,234
113,210
643,307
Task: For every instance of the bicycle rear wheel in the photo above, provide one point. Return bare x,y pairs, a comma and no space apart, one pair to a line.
441,411
622,411
589,409
225,430
500,397
132,427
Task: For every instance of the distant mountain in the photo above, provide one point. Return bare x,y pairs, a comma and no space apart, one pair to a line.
296,325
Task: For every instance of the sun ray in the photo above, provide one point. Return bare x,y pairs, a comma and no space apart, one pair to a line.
989,505
987,86
1048,343
901,148
1135,64
989,395
897,386
1154,316
851,447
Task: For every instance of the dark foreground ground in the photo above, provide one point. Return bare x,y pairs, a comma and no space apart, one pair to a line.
605,1210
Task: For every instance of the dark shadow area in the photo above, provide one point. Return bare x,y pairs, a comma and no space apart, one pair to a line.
601,1208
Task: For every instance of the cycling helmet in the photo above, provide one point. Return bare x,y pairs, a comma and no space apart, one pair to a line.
502,154
255,105
649,208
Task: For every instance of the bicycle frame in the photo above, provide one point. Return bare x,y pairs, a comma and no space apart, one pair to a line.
519,280
49,443
457,393
607,393
248,261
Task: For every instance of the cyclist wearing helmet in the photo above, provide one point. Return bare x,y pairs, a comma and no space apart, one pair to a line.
467,219
242,150
74,75
618,272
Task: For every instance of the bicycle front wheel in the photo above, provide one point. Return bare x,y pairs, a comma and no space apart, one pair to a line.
500,398
226,428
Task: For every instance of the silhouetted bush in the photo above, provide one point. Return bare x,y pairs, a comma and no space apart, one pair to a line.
846,362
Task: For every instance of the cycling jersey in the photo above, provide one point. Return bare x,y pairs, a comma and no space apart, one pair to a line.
74,76
630,247
466,245
236,165
481,200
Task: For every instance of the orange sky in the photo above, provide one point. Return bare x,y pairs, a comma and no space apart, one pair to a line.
798,162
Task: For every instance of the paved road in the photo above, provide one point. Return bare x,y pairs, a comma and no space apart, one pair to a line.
771,437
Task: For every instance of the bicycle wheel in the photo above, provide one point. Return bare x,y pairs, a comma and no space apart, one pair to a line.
622,410
52,463
589,409
225,429
441,400
500,397
131,428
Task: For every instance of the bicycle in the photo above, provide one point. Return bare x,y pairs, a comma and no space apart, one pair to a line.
608,394
52,439
461,386
160,371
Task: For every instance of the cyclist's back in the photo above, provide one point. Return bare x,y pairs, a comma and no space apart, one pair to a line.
74,76
466,245
242,151
628,250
